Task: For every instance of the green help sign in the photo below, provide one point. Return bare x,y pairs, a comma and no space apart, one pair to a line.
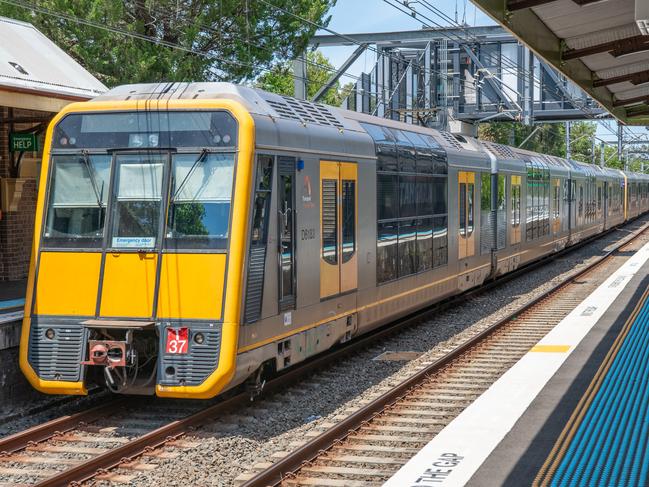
23,143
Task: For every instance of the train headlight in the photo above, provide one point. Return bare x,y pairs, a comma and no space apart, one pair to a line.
199,338
49,334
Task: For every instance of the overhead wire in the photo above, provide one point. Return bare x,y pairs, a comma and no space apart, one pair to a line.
157,41
145,38
509,62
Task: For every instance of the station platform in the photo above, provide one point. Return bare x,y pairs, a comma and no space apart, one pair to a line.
574,411
12,302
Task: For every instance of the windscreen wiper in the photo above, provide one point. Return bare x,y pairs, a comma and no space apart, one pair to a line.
93,179
198,160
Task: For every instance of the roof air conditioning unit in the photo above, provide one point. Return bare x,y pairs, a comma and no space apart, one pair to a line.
642,16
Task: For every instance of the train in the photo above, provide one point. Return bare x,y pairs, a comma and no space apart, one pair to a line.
195,237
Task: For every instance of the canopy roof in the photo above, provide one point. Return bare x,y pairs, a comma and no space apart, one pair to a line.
602,45
30,63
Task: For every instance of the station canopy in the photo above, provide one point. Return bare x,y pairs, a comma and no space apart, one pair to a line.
36,74
601,45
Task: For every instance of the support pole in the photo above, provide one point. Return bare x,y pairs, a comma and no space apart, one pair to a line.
568,153
602,155
619,141
592,150
300,81
337,74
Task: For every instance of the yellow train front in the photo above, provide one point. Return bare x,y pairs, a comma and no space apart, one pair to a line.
193,237
143,203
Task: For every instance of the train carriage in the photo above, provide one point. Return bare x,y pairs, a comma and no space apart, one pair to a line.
191,237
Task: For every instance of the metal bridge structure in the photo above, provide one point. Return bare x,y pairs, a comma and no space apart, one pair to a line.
447,78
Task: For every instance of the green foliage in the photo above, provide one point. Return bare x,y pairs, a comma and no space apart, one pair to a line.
188,219
280,79
233,40
551,139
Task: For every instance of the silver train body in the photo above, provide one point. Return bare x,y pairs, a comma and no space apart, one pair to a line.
292,309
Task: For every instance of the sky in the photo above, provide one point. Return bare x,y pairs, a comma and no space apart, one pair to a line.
358,16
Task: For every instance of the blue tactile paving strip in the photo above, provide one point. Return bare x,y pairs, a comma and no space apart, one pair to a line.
608,442
11,303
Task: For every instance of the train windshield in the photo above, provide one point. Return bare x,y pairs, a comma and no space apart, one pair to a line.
199,207
78,199
146,130
114,184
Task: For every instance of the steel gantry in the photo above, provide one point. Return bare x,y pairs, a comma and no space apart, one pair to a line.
435,77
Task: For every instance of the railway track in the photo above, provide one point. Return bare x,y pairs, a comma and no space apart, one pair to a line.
117,441
370,445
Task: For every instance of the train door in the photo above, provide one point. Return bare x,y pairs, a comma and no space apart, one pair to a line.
286,232
515,231
607,199
130,268
466,211
338,223
556,206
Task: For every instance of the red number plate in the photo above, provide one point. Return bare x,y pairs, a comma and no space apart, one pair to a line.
177,341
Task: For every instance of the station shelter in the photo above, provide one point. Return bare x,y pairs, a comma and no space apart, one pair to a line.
37,79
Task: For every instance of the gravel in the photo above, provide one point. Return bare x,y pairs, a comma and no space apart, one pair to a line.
233,444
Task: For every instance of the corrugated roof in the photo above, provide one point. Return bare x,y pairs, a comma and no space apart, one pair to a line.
30,61
598,44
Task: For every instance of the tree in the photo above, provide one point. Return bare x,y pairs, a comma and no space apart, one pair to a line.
550,139
176,40
280,79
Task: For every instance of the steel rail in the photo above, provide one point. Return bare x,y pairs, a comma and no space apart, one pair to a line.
126,453
42,432
290,464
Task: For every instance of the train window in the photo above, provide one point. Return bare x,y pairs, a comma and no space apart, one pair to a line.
425,195
78,196
348,219
378,133
407,196
201,194
424,244
501,201
599,198
430,140
405,151
462,209
538,200
486,227
440,241
138,199
556,197
387,196
440,165
261,209
440,200
146,129
386,258
516,201
485,192
470,189
423,153
384,142
330,221
407,247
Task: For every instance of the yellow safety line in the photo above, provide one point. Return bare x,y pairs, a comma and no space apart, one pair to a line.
567,434
550,348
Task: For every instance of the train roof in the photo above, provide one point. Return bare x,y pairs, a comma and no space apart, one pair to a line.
324,124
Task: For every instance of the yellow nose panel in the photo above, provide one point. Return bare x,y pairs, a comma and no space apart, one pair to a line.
129,285
191,286
67,283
